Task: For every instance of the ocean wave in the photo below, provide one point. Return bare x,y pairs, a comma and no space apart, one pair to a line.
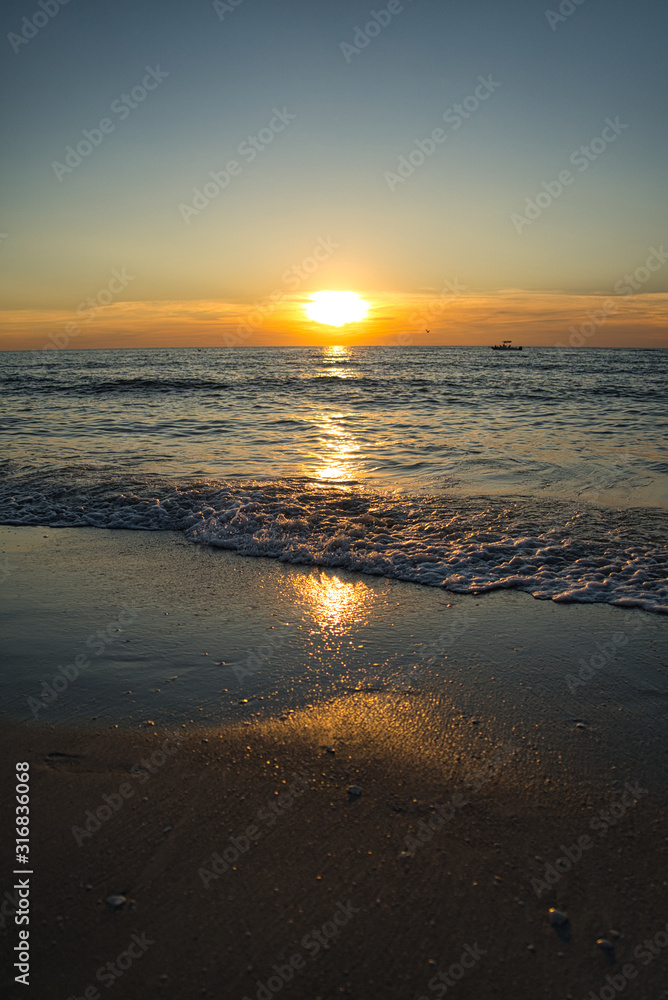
348,388
552,550
94,387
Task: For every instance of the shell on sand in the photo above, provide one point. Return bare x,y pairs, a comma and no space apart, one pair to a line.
115,902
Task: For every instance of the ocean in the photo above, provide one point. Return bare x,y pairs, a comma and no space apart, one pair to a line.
544,470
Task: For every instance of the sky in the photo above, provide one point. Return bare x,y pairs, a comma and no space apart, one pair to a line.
191,173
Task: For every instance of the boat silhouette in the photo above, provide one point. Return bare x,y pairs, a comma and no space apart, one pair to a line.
505,346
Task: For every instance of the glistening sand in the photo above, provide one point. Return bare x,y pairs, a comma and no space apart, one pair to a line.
490,719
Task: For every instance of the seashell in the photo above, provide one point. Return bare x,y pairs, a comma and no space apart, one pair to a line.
115,902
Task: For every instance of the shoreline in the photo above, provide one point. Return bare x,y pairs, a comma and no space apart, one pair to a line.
215,796
144,627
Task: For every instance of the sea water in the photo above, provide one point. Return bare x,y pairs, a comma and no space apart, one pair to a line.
544,470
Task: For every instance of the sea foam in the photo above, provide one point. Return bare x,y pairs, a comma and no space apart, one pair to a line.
553,550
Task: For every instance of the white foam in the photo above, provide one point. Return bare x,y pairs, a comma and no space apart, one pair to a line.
550,551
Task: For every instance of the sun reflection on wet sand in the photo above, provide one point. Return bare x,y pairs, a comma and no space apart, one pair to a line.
339,606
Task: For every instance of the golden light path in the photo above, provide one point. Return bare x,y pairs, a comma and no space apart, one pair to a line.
335,457
338,605
339,447
336,308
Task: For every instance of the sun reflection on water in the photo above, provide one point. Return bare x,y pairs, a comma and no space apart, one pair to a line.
338,449
337,353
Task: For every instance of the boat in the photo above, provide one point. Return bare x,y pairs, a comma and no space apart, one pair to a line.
505,346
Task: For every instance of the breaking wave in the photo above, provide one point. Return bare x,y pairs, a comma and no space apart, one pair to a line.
557,550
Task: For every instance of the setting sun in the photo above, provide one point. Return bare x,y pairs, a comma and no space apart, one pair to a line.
336,308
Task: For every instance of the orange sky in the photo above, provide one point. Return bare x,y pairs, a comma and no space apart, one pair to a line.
453,316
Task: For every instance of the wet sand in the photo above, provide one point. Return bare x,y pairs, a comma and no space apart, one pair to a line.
225,886
232,833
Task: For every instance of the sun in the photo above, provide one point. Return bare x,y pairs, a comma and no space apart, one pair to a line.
336,308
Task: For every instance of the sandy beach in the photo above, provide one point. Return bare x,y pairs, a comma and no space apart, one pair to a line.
481,795
229,876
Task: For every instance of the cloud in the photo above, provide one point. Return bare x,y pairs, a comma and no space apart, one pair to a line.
466,318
